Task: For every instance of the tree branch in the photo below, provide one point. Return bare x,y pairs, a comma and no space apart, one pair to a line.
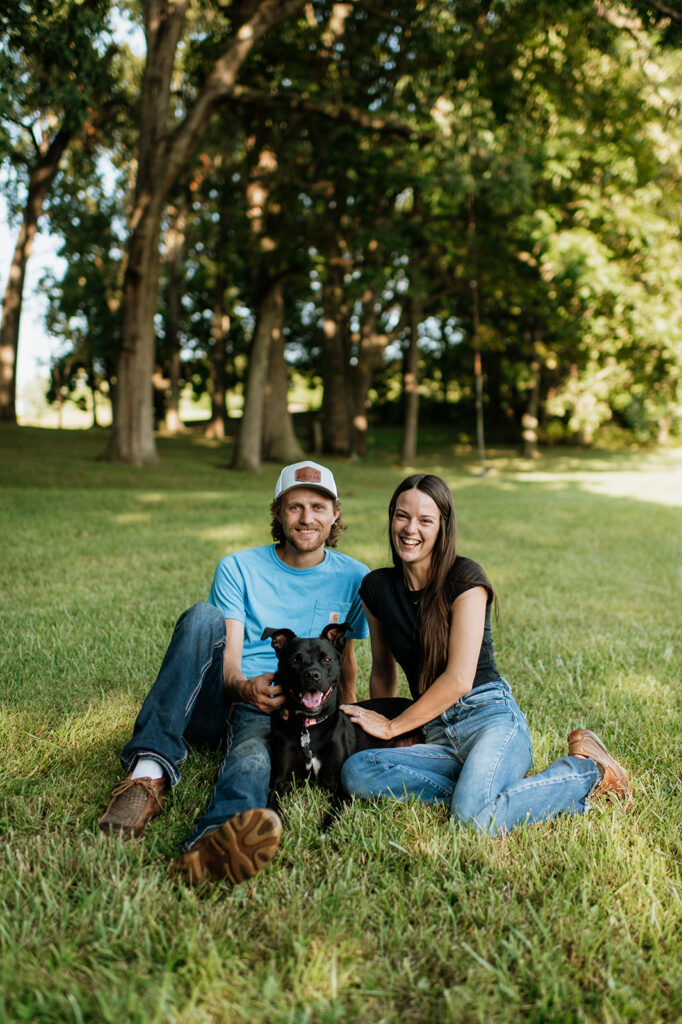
667,12
267,14
332,111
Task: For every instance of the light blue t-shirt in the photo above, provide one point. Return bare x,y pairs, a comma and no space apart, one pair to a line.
257,588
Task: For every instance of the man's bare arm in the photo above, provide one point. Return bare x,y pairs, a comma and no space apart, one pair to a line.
257,690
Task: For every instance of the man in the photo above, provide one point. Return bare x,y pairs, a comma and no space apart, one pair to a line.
217,672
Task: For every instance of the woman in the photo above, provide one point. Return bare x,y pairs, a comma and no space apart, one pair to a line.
430,613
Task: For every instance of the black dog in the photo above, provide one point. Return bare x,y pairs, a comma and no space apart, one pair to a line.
310,736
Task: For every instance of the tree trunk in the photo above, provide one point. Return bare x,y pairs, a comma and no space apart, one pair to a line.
247,455
408,454
175,253
174,424
59,400
478,384
336,412
371,346
217,427
40,182
162,155
370,349
263,162
529,420
476,334
132,437
362,381
279,440
92,384
664,425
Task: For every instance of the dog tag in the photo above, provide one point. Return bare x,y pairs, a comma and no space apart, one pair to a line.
311,763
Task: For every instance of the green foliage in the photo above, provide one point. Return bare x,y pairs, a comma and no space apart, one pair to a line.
56,69
83,303
531,148
397,915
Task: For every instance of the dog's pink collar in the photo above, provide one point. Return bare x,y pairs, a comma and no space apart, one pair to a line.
307,722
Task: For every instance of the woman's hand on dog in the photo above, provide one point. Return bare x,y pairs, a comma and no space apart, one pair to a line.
261,693
370,722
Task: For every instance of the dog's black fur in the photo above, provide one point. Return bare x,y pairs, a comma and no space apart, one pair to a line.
310,736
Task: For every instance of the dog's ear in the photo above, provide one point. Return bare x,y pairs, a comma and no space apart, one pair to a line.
280,637
335,633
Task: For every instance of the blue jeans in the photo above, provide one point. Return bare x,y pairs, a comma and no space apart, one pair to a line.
475,759
186,704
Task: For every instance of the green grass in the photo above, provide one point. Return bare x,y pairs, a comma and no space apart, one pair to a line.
397,915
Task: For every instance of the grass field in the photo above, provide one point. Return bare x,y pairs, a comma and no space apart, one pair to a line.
397,915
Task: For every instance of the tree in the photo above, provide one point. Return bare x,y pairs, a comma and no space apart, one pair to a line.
61,89
493,187
163,152
266,429
174,260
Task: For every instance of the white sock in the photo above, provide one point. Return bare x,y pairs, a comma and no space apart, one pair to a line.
147,768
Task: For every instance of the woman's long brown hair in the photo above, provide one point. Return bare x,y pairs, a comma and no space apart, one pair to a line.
434,609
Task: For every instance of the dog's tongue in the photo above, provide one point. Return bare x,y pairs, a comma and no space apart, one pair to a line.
312,699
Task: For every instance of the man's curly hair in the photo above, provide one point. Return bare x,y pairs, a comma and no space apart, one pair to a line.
278,533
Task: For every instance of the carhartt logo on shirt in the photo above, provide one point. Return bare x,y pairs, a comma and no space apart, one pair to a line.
308,475
334,616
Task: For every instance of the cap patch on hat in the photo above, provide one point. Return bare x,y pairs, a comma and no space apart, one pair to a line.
308,475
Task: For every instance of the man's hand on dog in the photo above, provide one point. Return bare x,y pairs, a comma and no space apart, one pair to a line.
259,691
370,722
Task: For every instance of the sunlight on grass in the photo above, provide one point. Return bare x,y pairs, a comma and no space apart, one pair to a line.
32,744
660,482
151,499
236,536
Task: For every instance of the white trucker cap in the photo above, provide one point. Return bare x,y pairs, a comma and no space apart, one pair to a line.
306,474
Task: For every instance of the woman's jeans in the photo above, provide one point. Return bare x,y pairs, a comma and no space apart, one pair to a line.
475,759
186,704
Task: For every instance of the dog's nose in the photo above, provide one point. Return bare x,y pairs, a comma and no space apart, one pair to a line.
312,675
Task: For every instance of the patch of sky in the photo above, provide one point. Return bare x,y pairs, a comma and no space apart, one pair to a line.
309,313
296,352
452,331
404,201
243,312
128,32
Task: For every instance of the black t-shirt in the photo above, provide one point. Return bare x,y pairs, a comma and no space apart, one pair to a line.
386,595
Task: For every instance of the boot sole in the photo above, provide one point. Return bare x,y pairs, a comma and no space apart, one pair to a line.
236,850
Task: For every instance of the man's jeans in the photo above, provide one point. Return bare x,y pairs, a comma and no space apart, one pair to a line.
186,704
475,759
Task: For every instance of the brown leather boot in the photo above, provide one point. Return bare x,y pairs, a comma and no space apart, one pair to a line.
583,743
133,805
235,850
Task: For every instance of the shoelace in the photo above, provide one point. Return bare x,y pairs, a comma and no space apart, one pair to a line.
147,785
